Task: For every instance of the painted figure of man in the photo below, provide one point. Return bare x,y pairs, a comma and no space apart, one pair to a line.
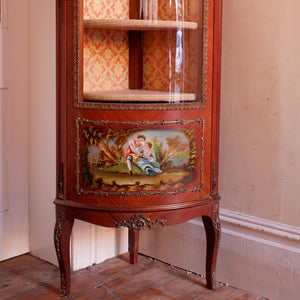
133,151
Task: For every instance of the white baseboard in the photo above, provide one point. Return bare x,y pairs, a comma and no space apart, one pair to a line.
92,244
255,255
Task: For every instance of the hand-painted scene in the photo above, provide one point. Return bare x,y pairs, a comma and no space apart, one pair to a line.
138,160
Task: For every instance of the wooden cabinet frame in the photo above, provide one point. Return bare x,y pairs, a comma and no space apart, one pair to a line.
80,124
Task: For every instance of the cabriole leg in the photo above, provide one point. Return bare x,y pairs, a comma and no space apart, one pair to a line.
213,234
62,233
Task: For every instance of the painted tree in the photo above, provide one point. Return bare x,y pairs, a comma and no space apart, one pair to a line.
156,148
86,174
175,146
109,141
95,137
193,149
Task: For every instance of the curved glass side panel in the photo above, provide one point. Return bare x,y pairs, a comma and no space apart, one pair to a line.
142,51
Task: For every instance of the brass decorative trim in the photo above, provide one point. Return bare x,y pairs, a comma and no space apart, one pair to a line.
57,234
202,156
80,121
60,213
59,224
63,288
139,106
214,191
138,222
77,62
78,103
204,52
215,209
82,191
217,225
213,279
60,188
58,230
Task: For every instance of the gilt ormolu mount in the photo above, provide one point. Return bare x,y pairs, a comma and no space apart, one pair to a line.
138,86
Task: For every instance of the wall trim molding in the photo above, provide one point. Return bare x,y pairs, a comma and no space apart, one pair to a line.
261,225
256,255
258,229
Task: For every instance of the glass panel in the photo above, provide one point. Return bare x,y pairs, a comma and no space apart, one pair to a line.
142,51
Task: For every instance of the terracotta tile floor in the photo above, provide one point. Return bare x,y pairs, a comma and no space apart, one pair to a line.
27,277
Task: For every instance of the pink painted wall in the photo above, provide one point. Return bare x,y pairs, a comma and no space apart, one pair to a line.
260,110
42,127
14,129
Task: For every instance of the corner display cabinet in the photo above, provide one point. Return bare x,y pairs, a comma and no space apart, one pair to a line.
137,118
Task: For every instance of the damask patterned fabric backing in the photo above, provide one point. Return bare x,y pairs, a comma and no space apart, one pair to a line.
161,69
106,60
106,9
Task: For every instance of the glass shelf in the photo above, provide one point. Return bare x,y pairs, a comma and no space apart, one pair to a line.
137,96
131,24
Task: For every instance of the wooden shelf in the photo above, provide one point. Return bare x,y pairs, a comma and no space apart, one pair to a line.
138,96
131,24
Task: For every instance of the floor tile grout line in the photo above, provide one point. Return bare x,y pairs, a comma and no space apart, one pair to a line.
249,293
157,288
112,292
199,275
28,268
173,266
39,284
103,284
134,268
167,266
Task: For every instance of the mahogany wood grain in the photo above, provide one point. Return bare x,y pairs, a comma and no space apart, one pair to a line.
135,49
216,91
135,60
133,236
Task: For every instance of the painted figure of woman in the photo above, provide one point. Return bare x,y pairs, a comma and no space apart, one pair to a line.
147,163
